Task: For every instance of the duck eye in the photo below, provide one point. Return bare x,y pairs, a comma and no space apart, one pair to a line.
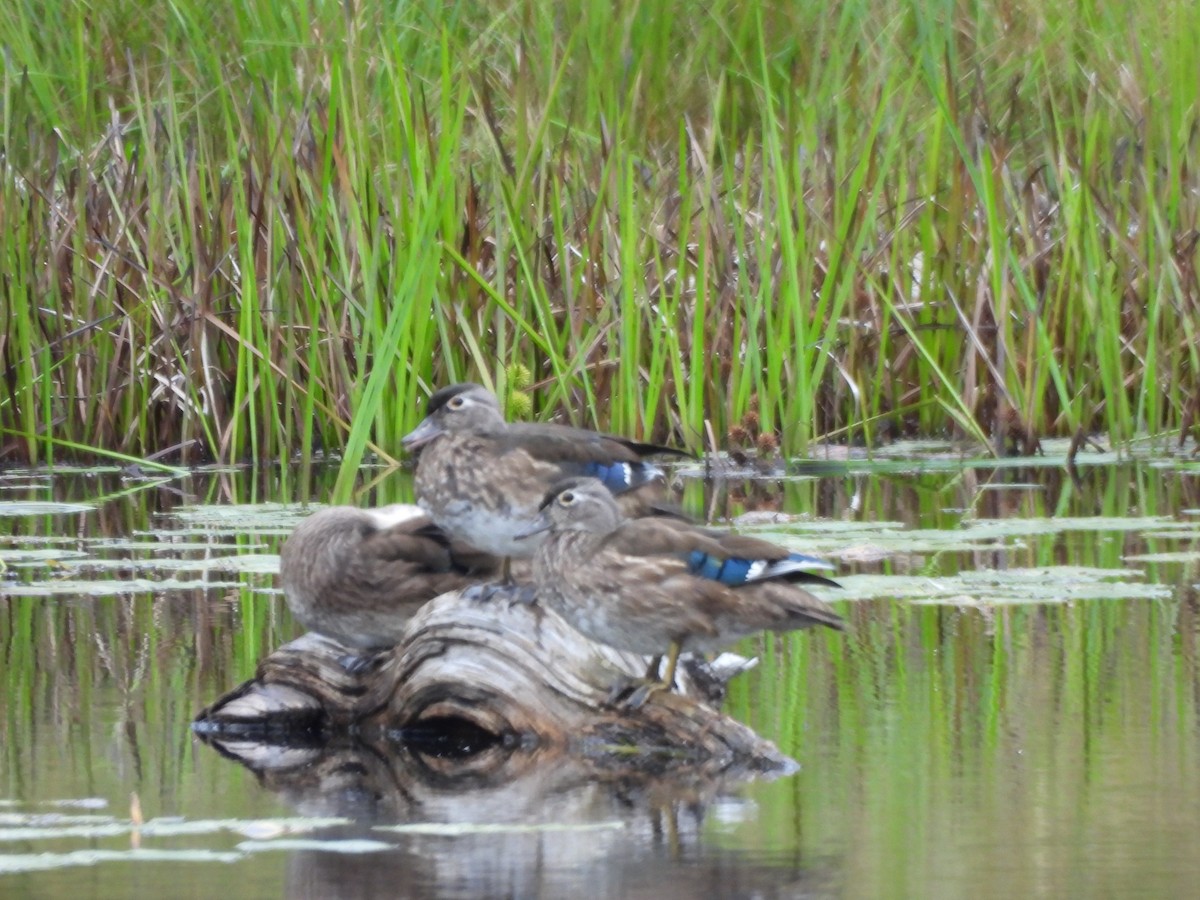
566,499
456,403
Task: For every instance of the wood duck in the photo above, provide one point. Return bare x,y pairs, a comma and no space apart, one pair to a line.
357,575
655,584
481,478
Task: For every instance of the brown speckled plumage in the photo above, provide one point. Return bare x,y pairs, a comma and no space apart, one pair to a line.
357,575
481,478
637,584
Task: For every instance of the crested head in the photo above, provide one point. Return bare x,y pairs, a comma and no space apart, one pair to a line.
442,396
456,408
463,404
581,504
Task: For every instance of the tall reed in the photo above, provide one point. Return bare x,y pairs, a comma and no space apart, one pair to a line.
261,230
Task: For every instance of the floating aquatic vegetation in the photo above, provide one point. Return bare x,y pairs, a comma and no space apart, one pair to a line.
1175,556
53,826
168,541
59,564
10,508
262,563
48,820
36,556
245,517
62,831
331,846
993,587
77,803
101,588
457,829
261,834
852,541
33,862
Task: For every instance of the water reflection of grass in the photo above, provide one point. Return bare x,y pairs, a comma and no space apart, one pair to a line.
938,743
246,231
149,660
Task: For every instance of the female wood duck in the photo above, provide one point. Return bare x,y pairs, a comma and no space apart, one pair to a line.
481,478
357,575
648,585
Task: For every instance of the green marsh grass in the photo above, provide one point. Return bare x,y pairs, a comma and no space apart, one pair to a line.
263,230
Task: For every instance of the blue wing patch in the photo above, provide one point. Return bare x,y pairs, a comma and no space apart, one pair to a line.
619,477
732,571
735,571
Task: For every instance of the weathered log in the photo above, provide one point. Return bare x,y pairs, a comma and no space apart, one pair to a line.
498,677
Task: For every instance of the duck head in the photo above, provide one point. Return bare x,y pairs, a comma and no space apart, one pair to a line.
457,408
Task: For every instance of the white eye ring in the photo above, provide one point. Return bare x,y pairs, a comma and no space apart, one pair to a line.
566,499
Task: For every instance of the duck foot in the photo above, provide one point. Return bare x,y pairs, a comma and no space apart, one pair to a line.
632,693
712,678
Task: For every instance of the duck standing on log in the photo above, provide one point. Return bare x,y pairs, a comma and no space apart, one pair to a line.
481,478
655,584
357,575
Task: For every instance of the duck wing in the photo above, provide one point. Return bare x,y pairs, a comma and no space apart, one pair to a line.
733,560
617,462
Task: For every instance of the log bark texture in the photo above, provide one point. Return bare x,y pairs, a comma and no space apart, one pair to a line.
517,675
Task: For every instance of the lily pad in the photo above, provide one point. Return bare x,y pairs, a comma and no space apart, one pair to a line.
872,545
993,587
251,563
102,588
78,803
60,832
200,532
167,542
332,846
246,517
1180,535
1176,556
458,829
878,540
50,820
263,563
39,540
1057,525
42,508
755,523
257,829
33,862
39,555
54,826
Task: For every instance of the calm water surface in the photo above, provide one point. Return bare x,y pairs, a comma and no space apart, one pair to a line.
979,746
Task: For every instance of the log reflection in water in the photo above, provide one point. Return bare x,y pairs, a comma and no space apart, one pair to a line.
509,821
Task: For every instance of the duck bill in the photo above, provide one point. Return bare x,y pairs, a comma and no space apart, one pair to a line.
537,526
421,435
